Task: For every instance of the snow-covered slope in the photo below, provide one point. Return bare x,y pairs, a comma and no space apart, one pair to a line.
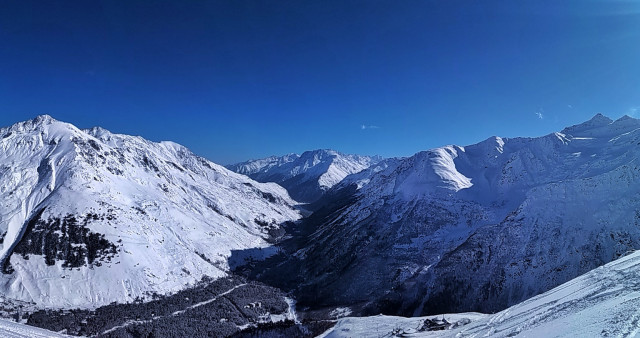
305,176
477,228
604,302
363,177
89,217
9,329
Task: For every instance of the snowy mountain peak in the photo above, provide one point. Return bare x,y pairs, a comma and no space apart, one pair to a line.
601,126
111,217
317,155
595,122
98,132
38,123
599,119
308,175
255,166
329,152
493,146
625,117
482,226
625,123
43,119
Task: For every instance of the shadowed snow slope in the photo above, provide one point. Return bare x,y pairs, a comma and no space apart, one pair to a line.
89,217
476,228
305,176
604,302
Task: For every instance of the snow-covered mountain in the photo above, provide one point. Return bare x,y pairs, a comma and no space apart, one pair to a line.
475,228
89,217
601,303
306,177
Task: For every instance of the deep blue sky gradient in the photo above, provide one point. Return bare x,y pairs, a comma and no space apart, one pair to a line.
234,80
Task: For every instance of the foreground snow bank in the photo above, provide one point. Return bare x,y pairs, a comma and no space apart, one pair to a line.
9,329
602,302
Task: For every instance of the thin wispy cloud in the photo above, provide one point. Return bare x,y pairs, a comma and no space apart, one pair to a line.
539,114
570,106
633,111
364,126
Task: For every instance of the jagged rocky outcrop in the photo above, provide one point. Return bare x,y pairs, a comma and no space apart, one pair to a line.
307,176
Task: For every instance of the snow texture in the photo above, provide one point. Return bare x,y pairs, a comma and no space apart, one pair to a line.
153,217
480,227
604,302
9,329
305,176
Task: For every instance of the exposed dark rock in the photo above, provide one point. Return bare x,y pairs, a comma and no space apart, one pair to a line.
149,164
67,239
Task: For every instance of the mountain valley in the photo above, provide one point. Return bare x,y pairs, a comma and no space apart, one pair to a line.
106,234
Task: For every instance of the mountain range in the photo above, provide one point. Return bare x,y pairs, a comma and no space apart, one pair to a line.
110,234
473,228
306,176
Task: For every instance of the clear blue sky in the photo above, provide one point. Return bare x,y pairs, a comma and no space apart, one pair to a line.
234,80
